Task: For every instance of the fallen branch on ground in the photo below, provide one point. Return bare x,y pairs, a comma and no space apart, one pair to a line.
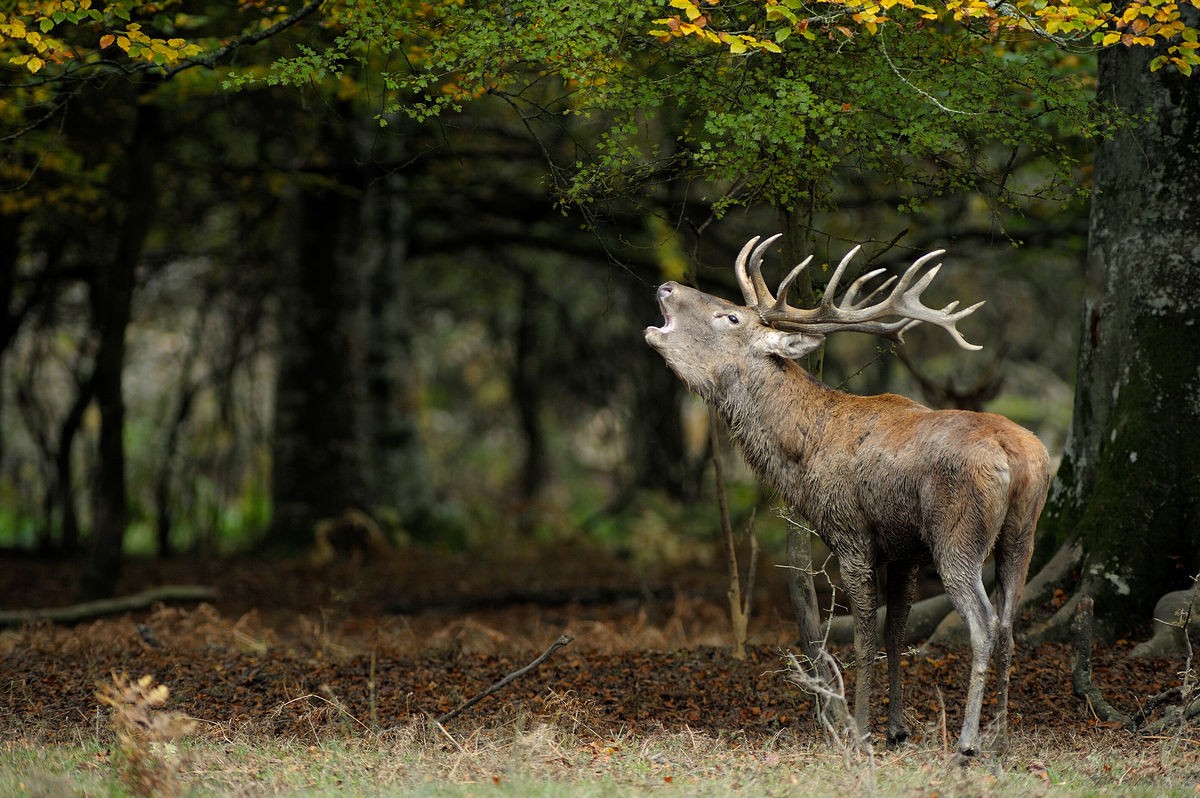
109,606
512,677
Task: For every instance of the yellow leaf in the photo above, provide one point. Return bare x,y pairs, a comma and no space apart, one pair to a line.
123,43
34,64
1110,38
736,47
176,43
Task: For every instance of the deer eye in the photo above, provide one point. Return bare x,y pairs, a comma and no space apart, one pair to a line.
733,318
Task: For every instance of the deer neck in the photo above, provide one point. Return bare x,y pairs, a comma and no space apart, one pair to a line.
776,412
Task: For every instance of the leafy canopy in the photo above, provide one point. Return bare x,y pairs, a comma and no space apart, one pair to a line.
795,100
765,24
924,103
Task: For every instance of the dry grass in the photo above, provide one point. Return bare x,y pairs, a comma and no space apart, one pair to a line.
563,750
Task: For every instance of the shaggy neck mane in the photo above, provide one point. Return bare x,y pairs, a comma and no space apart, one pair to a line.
775,412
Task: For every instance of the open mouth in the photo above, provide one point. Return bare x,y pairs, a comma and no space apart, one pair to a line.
664,291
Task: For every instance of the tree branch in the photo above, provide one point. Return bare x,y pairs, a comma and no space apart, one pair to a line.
210,59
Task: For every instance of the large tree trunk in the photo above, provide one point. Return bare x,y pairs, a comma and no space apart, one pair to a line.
345,410
1128,489
318,457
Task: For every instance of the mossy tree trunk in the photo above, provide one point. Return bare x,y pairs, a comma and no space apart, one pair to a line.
1128,489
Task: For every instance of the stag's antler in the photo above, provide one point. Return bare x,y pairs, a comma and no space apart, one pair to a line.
902,303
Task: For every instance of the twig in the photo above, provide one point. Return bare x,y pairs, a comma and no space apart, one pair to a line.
823,680
739,601
332,701
512,677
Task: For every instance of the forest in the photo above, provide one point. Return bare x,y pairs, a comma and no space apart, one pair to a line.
325,400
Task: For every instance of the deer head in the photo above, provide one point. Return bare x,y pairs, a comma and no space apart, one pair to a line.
706,339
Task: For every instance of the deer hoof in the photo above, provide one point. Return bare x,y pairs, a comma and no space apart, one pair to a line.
965,756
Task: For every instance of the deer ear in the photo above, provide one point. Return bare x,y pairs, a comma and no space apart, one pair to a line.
791,345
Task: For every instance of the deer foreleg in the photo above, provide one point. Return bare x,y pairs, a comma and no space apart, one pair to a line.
901,587
859,580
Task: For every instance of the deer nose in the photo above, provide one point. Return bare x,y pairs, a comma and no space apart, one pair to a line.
665,290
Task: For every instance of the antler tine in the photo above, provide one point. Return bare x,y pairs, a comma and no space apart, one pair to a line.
739,271
786,284
947,323
831,286
851,299
914,322
748,268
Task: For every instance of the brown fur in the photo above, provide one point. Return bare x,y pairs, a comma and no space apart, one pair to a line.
886,483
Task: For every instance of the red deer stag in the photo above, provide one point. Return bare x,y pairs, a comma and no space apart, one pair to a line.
885,482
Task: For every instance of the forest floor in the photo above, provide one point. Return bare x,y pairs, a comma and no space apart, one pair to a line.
305,661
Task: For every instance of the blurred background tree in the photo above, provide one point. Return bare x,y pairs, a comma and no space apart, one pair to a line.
266,263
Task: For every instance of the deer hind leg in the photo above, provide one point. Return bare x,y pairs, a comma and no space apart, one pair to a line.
971,601
901,587
858,577
1013,552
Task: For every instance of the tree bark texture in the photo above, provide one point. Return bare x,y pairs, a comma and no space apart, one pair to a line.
318,457
397,475
345,408
1129,484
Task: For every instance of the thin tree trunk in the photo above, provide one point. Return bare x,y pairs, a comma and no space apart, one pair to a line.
63,467
112,303
397,478
527,390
